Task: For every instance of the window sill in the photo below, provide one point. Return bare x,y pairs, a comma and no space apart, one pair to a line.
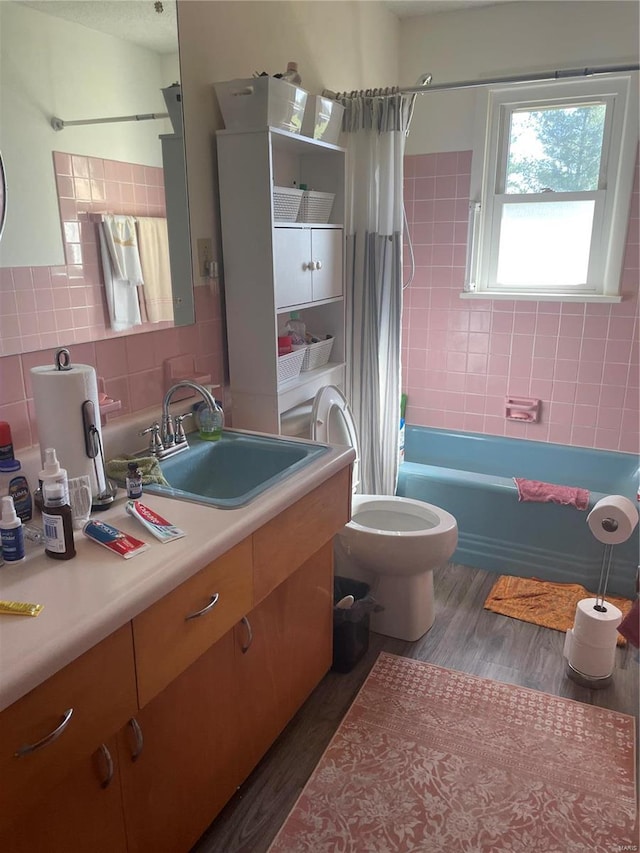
517,296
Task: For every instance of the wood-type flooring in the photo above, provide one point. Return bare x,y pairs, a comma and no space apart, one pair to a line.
464,637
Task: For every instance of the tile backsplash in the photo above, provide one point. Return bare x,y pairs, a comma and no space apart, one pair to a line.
461,359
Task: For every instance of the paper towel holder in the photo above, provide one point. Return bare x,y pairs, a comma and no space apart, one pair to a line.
93,448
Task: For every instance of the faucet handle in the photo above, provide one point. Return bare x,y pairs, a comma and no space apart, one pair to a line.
155,442
168,431
180,436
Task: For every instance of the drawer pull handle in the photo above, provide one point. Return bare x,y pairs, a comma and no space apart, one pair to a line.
247,625
210,606
31,747
108,761
139,740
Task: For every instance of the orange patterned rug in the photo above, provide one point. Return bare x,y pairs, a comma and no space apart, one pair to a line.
435,761
551,605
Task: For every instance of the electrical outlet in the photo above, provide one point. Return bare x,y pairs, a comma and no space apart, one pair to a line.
205,256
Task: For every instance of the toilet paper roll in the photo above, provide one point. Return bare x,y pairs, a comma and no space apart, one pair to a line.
613,519
58,396
595,663
594,627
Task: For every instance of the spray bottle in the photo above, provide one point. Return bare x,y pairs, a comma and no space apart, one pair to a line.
53,473
58,522
11,532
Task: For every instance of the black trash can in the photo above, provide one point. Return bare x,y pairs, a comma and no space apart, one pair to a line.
350,627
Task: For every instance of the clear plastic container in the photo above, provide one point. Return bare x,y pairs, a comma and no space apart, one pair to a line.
297,329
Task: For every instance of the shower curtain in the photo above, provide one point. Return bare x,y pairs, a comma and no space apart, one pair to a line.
376,131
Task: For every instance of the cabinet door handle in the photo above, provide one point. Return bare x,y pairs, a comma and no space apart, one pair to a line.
318,265
108,762
310,266
31,747
247,625
139,740
210,606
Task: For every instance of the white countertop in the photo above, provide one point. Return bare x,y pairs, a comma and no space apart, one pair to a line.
88,597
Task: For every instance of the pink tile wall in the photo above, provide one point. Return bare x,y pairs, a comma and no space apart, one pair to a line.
39,306
461,358
131,367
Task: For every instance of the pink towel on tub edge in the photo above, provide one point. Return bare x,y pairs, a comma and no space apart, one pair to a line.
534,490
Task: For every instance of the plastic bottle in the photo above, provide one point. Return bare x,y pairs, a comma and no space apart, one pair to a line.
53,473
296,329
15,484
57,521
291,75
11,532
211,423
6,442
134,481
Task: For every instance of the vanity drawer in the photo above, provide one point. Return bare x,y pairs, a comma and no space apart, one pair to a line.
171,634
283,544
100,689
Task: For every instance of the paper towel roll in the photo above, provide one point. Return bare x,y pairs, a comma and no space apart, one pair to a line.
58,396
594,627
613,519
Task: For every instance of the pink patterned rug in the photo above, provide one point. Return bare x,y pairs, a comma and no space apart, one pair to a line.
428,759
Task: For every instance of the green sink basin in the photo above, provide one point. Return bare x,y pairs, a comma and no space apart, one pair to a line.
233,471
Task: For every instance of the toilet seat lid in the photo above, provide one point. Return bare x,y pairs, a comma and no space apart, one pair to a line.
332,423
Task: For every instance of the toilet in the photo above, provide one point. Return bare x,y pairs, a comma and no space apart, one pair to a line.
391,543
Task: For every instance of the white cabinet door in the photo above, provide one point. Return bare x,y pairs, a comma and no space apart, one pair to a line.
292,256
326,251
307,265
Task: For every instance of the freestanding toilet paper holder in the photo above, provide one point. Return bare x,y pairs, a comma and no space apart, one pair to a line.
599,654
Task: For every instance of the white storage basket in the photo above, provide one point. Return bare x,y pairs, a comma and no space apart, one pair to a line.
315,207
289,365
261,102
315,355
286,203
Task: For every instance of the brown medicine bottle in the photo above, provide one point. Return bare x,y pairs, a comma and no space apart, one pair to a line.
58,527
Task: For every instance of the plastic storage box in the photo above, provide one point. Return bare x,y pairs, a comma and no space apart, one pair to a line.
289,365
315,355
322,119
261,102
286,203
315,207
350,627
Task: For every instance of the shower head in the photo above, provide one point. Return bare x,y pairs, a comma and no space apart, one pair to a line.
424,79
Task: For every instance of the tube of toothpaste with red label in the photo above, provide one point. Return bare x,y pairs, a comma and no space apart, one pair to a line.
115,540
154,523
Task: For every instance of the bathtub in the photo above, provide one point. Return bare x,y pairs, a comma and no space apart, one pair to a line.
471,476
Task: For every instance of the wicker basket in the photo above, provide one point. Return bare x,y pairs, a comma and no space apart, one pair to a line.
315,355
289,365
286,203
315,207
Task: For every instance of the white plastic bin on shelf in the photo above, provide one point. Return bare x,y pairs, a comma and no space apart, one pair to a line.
322,119
315,355
261,102
286,203
289,365
315,207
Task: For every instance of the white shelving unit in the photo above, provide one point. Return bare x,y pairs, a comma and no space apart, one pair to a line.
273,267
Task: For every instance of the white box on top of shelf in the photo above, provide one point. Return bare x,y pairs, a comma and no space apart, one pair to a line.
261,102
322,119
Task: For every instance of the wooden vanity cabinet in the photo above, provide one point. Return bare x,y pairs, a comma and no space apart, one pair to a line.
153,751
82,814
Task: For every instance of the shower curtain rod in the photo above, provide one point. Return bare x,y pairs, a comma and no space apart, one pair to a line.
426,86
59,124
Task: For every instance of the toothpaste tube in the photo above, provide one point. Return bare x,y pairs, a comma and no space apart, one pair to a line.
154,523
115,540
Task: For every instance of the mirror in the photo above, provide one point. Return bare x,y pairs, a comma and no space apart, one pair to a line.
68,60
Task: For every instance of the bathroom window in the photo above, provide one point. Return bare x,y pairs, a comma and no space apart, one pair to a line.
551,187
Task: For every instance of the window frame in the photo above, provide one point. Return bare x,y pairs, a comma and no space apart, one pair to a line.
612,198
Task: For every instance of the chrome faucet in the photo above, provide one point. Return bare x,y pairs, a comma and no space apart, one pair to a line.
172,434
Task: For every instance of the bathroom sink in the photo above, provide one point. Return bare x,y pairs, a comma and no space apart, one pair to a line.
233,471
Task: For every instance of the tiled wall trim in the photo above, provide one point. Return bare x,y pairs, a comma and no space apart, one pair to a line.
460,359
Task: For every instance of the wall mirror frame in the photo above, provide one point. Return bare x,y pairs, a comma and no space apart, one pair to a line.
74,65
